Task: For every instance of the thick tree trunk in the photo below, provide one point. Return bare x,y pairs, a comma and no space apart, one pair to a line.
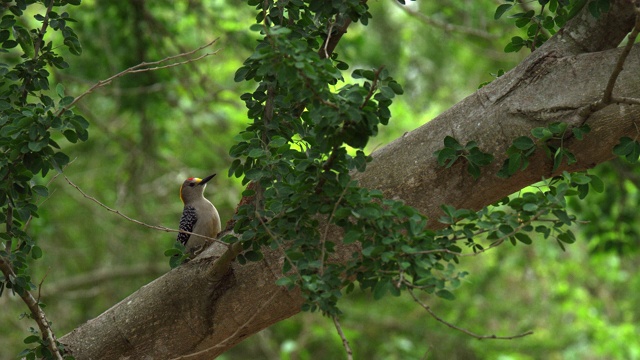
203,308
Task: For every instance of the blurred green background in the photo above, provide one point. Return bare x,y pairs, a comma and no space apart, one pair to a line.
151,130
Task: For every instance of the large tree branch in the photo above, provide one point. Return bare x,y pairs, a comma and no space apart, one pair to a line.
204,308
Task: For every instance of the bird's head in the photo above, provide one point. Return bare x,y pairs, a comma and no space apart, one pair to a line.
193,188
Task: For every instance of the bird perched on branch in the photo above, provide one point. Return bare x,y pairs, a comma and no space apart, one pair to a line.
198,217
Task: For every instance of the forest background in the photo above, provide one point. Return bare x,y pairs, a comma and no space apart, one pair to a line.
150,130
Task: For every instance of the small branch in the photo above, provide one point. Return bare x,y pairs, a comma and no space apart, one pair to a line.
40,285
447,27
43,30
37,46
540,29
326,43
9,228
607,97
155,227
345,342
625,100
326,231
608,92
36,311
142,67
331,41
374,87
479,337
280,247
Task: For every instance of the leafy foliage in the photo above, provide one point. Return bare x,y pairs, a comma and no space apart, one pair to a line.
552,16
29,118
550,139
453,151
629,148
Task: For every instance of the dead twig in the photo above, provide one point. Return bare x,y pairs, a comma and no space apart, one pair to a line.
477,336
142,67
155,227
345,342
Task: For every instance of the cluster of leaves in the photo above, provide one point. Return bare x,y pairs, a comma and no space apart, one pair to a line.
628,148
40,349
552,16
541,211
307,135
550,138
453,151
29,117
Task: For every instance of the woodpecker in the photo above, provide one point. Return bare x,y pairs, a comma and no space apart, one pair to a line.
199,215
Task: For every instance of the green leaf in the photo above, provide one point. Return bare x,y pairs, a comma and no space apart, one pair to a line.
479,158
523,238
514,163
500,10
580,179
579,132
562,216
558,128
352,236
36,146
24,39
397,88
624,147
71,136
40,190
36,252
596,184
31,339
60,90
633,156
445,155
172,252
452,143
567,237
474,170
285,281
541,133
381,289
523,143
253,255
445,294
74,45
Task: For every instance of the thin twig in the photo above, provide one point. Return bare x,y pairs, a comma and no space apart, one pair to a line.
326,230
608,92
142,67
448,27
43,30
326,43
345,342
625,100
280,247
155,227
477,336
40,284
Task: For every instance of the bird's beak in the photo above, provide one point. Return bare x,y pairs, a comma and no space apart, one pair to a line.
205,180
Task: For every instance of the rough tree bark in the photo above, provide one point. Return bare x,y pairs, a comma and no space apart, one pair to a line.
205,307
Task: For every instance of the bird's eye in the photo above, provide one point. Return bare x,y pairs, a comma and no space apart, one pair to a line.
192,184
